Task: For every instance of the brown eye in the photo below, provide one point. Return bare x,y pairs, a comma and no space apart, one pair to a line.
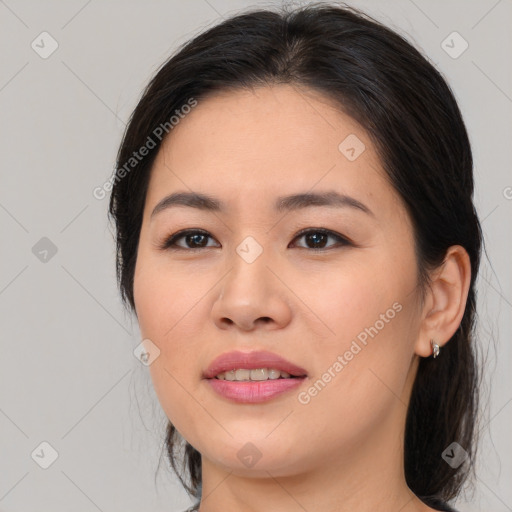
193,239
318,239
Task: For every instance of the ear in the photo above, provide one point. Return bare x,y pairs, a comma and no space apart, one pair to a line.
445,301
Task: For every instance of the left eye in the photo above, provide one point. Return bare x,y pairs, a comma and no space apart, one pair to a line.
198,239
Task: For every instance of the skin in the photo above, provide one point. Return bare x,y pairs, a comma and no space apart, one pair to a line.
343,450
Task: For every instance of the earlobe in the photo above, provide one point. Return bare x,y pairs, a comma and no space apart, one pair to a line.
446,301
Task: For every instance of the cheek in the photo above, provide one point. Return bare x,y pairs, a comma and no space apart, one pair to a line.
367,320
163,298
168,305
345,301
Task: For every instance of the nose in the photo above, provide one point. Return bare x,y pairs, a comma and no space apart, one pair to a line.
251,296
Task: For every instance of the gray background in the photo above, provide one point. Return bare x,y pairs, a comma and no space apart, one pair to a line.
67,372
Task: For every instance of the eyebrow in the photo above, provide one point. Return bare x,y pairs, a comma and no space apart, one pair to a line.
283,203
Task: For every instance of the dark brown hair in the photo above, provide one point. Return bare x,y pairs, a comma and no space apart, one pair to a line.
413,119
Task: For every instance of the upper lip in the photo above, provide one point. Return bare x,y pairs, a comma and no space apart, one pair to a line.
250,361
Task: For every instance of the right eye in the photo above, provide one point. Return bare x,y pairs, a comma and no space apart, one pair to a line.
193,238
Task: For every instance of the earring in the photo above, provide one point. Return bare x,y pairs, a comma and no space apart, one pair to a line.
435,348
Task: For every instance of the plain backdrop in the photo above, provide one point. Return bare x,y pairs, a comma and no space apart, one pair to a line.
68,375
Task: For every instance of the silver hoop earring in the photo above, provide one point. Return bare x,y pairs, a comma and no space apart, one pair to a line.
435,348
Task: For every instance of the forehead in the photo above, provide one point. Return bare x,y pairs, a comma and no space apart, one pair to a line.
261,143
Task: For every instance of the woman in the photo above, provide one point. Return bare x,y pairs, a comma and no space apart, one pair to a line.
297,237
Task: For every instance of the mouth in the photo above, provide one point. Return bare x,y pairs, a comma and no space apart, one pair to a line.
255,374
252,366
253,377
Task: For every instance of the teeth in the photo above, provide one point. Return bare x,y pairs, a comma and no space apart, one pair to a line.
256,374
274,374
242,374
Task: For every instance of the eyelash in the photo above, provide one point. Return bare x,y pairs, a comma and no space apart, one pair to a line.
170,242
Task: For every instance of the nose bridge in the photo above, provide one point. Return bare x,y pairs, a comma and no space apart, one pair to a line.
249,275
250,291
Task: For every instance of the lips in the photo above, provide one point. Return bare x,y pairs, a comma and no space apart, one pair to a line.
250,361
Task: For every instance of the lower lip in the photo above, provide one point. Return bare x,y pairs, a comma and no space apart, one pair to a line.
253,391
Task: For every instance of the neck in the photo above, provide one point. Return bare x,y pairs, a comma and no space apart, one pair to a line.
367,477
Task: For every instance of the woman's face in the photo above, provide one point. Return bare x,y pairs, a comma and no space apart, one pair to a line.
346,312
